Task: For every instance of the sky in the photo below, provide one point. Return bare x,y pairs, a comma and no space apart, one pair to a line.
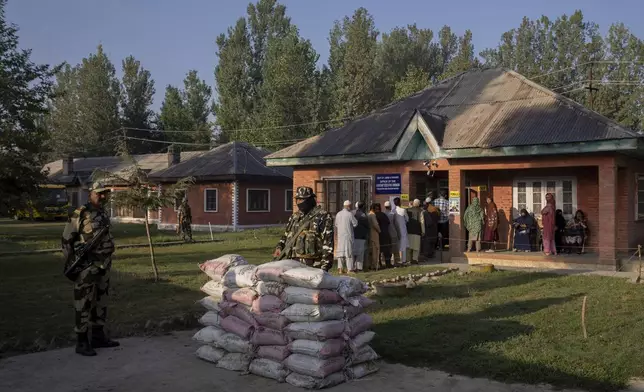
171,37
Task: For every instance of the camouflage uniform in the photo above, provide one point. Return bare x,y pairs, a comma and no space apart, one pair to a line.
314,245
184,221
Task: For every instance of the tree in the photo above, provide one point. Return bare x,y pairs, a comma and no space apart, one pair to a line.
464,59
415,80
197,102
141,193
25,88
448,47
63,119
137,96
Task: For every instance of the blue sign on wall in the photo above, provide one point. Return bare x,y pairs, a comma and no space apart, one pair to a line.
388,184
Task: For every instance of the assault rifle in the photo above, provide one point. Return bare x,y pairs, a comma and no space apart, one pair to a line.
80,256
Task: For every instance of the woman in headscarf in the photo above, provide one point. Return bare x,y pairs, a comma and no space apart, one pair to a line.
548,221
491,224
473,221
560,227
523,226
576,232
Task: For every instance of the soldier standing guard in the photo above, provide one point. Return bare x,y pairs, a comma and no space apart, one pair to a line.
91,286
184,220
309,233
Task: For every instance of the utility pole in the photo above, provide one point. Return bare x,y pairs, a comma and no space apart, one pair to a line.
590,87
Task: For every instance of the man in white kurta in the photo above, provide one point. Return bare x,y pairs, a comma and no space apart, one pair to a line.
402,219
345,222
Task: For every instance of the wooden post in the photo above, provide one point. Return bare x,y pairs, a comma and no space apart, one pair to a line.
639,256
211,237
583,317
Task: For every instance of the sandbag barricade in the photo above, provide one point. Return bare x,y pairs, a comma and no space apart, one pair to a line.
285,321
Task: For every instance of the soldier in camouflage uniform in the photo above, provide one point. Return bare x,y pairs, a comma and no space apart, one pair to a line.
184,220
309,233
92,284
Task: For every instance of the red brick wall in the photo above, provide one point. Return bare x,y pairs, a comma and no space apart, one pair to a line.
196,195
277,214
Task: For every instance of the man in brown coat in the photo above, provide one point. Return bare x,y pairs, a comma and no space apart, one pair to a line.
374,239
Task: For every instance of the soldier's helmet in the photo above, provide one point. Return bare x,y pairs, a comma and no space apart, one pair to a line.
98,187
304,192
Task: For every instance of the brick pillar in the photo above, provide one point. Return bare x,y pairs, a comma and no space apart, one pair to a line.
607,213
456,230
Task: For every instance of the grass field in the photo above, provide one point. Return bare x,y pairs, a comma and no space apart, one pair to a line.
509,326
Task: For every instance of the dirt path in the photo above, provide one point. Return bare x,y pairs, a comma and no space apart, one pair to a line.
168,364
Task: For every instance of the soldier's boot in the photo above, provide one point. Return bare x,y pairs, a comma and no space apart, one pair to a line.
99,340
83,347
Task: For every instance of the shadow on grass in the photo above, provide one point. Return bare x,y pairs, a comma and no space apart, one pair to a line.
469,344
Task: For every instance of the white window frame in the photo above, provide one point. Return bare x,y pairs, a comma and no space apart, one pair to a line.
205,200
286,191
638,216
529,194
248,198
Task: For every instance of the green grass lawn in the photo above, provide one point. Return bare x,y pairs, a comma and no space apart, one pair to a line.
509,326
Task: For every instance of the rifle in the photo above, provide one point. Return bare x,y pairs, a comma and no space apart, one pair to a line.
291,241
80,256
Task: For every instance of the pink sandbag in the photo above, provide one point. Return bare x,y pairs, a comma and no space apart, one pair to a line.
276,353
326,349
268,337
238,310
359,324
301,295
218,267
244,296
271,320
272,271
268,303
314,367
237,326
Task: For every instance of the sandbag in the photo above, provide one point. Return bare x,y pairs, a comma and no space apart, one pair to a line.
268,337
210,303
208,335
313,313
316,331
364,354
361,370
244,296
237,326
308,382
301,295
268,303
276,353
272,272
351,311
326,349
361,340
210,319
271,320
232,343
218,267
214,289
314,367
235,361
360,301
269,369
210,354
240,276
359,324
270,288
311,278
240,311
348,286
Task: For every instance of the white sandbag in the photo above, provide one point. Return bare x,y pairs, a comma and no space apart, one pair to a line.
240,276
235,361
349,286
269,369
208,335
232,343
360,301
361,370
316,331
310,278
361,340
270,288
313,313
301,295
364,354
276,353
210,354
211,318
314,367
308,382
214,289
218,267
210,303
326,349
272,272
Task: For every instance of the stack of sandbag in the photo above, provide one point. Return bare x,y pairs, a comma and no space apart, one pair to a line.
286,322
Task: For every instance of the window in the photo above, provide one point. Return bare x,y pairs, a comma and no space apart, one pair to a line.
210,200
333,192
640,197
531,195
258,200
288,200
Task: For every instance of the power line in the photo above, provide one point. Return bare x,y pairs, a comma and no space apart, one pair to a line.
585,63
282,142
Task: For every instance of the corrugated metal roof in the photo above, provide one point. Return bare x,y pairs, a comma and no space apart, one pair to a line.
477,109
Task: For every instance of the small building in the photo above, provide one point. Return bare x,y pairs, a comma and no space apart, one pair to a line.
234,189
487,133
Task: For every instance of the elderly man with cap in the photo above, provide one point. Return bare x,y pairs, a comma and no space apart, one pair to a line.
309,233
345,223
92,276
